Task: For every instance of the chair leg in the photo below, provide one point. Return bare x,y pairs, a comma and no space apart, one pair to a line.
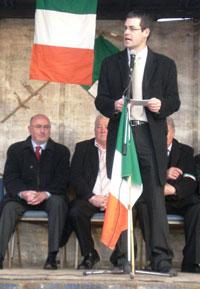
18,246
11,250
65,255
62,256
141,250
76,253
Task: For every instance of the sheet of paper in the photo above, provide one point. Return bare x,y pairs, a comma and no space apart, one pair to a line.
142,102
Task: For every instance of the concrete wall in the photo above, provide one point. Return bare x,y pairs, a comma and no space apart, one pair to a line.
71,109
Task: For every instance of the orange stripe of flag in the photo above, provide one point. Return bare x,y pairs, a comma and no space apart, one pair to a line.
67,65
115,221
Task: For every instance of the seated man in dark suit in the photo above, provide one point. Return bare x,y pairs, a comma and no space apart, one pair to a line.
182,198
197,169
36,177
90,182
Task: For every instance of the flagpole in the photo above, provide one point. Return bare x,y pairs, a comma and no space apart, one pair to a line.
131,248
132,240
129,268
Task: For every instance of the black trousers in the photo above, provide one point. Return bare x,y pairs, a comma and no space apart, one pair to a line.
56,208
80,213
153,194
191,214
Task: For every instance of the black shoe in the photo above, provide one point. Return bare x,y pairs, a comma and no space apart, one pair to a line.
162,267
89,261
1,262
190,268
120,263
50,263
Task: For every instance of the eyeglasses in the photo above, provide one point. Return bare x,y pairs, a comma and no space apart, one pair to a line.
39,126
130,28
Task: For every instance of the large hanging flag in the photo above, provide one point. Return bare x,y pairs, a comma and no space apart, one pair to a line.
124,167
102,49
63,49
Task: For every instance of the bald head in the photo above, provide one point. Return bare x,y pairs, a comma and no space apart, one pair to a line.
39,128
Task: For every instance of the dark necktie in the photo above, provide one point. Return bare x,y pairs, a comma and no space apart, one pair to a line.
37,152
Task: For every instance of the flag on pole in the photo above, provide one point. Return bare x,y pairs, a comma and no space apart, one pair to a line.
124,166
63,49
102,49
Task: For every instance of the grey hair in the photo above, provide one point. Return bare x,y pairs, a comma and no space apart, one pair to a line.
170,122
100,116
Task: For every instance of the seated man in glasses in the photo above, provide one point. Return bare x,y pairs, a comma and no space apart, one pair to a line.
36,176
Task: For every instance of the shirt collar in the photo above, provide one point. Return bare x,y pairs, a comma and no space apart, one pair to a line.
99,146
142,54
169,149
43,146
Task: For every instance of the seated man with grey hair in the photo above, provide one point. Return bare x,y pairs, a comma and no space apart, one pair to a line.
36,177
90,182
181,197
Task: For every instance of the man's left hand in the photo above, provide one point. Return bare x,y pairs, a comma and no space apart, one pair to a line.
154,105
169,190
39,197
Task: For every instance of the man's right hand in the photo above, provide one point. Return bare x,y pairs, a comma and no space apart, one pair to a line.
173,173
99,201
119,104
33,198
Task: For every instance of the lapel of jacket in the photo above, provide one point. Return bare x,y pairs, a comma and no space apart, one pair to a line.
93,156
175,153
148,71
123,68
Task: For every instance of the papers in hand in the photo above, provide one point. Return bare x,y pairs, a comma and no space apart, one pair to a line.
142,102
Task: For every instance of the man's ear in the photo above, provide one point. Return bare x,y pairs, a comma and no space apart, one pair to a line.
147,32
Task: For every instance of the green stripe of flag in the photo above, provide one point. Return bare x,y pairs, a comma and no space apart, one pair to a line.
130,166
102,49
70,6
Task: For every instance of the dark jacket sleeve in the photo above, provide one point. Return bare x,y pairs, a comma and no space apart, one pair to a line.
186,184
84,169
197,170
13,175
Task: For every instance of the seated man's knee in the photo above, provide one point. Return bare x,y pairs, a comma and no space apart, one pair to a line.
75,212
12,209
57,203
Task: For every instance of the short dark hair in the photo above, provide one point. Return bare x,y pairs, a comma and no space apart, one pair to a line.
146,20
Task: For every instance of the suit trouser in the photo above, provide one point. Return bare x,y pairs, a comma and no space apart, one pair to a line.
153,194
80,213
191,214
56,208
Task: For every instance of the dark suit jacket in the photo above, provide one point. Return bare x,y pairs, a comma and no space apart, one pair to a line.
23,172
160,81
84,169
181,156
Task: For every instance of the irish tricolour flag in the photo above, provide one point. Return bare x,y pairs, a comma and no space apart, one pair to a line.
63,49
122,193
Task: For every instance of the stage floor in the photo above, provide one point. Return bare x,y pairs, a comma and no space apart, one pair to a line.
34,278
